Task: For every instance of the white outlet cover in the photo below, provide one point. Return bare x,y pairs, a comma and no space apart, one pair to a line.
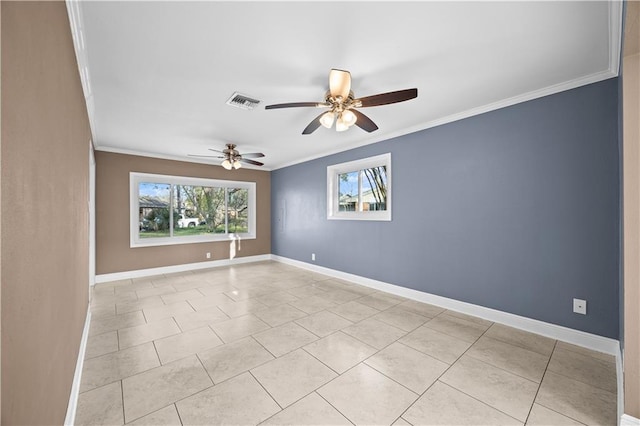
580,306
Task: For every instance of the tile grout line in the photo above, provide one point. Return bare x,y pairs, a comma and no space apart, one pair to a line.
450,366
540,385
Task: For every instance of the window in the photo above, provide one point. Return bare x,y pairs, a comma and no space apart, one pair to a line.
360,190
178,210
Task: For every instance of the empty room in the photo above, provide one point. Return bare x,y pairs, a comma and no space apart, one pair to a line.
320,213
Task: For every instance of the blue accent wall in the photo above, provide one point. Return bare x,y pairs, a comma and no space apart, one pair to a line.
515,209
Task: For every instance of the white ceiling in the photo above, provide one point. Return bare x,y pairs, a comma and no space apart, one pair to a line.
157,74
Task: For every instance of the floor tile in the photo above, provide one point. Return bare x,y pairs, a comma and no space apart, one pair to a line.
156,313
444,405
542,416
323,323
305,291
379,301
102,311
577,400
365,396
191,320
101,344
312,304
522,362
284,338
184,344
239,401
400,318
98,299
340,351
311,410
138,305
216,289
280,314
234,358
106,324
181,296
146,333
115,366
414,344
511,394
154,291
237,328
238,309
424,309
533,342
374,333
208,302
439,345
339,296
456,327
167,416
101,406
292,376
277,298
584,351
407,366
592,371
170,383
354,311
248,293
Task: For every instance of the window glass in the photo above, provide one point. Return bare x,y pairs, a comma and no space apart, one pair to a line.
153,209
360,189
178,210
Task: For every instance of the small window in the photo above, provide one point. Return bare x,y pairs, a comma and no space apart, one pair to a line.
177,210
360,190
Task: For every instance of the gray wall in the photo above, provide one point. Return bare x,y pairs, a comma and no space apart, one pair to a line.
516,210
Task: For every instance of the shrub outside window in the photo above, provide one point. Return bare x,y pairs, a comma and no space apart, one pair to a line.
360,190
178,210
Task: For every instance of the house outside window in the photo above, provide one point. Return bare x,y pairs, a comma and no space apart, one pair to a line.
360,190
177,210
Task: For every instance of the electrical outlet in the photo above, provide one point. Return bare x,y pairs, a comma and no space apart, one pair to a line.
313,257
580,306
208,255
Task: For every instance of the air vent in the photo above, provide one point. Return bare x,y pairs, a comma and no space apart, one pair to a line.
239,100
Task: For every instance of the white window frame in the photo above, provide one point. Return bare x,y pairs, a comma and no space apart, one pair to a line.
333,193
135,178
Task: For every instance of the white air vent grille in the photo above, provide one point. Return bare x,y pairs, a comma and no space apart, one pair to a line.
242,101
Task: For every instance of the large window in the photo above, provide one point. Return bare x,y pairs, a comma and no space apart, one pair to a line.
360,190
177,210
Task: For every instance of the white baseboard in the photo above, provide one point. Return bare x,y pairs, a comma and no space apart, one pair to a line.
628,420
77,377
139,273
620,383
576,337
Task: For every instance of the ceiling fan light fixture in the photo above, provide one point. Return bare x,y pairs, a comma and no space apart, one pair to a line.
237,164
327,119
227,164
341,125
349,118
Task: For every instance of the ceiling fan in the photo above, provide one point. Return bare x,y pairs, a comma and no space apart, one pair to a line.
342,104
232,159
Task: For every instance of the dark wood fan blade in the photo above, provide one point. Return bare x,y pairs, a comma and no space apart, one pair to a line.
255,163
253,155
387,98
364,122
313,126
205,156
297,104
216,150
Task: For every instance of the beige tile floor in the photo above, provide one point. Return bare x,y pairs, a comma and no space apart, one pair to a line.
267,343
